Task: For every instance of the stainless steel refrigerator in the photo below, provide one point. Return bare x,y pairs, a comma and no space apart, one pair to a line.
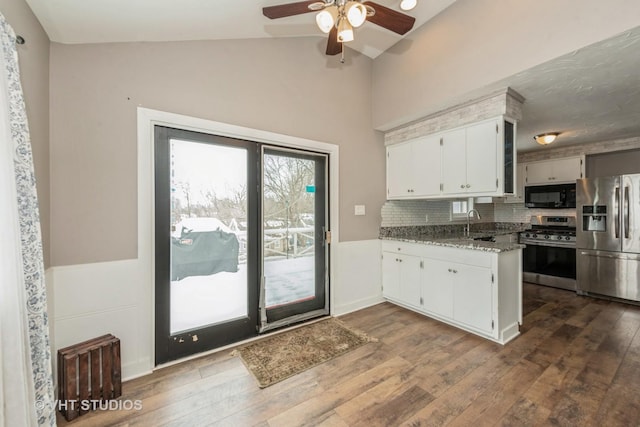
608,236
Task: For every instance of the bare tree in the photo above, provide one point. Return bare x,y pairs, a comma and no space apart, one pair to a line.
285,182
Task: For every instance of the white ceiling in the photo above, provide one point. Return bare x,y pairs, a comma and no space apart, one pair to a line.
592,94
91,21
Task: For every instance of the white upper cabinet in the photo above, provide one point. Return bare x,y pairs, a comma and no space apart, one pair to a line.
473,160
470,159
557,171
454,162
411,169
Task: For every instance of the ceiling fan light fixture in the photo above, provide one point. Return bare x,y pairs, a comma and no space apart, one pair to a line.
546,138
408,4
345,30
326,19
356,13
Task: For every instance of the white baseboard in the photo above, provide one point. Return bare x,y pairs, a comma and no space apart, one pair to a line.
357,305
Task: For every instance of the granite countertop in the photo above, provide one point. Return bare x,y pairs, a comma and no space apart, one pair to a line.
458,240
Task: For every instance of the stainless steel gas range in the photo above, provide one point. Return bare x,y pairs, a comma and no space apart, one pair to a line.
550,254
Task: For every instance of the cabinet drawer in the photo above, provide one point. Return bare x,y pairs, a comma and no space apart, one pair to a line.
399,247
458,255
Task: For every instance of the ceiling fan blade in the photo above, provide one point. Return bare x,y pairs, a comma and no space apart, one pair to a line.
334,47
390,19
290,9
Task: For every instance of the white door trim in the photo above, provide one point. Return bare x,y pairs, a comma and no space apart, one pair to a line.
147,119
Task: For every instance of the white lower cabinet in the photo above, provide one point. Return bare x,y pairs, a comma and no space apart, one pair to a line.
475,290
437,287
473,294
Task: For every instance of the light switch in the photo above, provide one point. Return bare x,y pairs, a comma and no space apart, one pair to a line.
359,210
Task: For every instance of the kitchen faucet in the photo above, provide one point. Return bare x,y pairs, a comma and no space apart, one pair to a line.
467,230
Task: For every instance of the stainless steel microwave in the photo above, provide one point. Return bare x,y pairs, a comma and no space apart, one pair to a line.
557,196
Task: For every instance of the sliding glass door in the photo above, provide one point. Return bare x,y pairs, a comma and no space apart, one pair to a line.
240,244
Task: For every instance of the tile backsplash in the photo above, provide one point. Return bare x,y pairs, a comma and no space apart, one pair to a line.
399,213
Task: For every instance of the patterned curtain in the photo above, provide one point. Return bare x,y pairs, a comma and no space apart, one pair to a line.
26,384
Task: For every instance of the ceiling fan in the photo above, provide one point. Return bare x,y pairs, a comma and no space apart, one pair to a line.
338,18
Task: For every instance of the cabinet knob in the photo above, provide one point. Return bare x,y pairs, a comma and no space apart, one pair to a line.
461,185
468,185
455,271
449,270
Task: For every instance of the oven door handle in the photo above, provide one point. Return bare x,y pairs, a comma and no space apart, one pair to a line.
549,243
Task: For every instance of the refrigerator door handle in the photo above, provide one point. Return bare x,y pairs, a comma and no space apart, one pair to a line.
626,212
616,209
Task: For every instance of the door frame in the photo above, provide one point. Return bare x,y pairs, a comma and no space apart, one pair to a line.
147,119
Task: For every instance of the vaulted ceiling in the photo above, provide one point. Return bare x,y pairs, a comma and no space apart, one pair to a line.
592,94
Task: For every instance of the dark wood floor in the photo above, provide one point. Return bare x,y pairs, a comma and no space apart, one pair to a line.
577,363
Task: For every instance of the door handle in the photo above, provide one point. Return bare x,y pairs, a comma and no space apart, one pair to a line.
626,212
616,209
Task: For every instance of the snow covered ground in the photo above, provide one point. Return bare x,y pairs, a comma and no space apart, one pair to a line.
204,300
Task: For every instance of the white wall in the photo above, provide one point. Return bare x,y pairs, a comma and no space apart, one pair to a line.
358,276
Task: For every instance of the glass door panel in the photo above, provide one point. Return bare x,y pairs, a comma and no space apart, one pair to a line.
294,251
208,244
206,257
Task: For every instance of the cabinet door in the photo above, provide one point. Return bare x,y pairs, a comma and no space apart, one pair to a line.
473,297
391,275
426,166
437,287
410,280
454,162
482,157
399,178
539,173
567,170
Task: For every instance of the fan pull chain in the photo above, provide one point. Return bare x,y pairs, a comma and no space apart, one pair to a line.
342,55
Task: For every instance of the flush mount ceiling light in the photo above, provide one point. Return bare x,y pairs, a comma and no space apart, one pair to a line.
408,4
338,18
546,138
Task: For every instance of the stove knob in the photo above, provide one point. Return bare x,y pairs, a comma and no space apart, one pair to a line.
527,235
559,237
546,236
567,238
534,235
